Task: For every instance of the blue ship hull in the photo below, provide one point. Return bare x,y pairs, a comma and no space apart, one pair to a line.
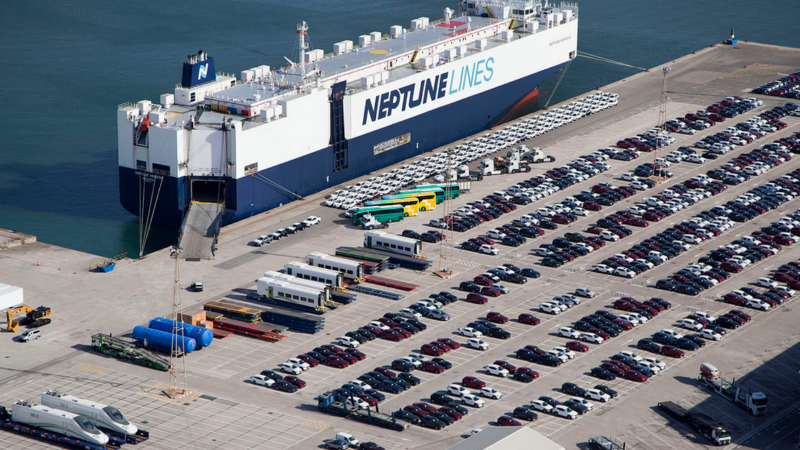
312,173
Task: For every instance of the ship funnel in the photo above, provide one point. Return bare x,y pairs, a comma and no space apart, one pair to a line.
448,14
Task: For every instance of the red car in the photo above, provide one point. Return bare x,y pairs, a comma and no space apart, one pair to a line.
506,421
619,364
560,219
384,320
483,281
402,332
612,368
592,206
432,350
357,354
528,371
419,412
485,240
473,382
491,291
634,376
295,381
731,267
594,230
332,348
506,365
529,319
424,406
445,348
450,343
701,320
371,401
335,361
624,306
637,222
496,317
670,350
391,335
307,358
577,346
348,357
735,299
385,372
624,325
451,412
734,318
535,349
477,298
432,367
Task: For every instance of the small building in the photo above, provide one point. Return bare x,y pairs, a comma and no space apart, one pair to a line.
505,438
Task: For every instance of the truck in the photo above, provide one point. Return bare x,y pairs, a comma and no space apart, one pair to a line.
704,425
339,404
533,155
753,402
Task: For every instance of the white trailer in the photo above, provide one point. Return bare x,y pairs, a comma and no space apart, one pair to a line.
332,278
284,291
57,421
380,240
347,267
103,416
10,296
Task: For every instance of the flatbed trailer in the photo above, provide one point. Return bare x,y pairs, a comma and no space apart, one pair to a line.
604,443
704,425
389,282
130,350
335,404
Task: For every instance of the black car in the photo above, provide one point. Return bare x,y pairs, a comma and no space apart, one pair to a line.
370,380
605,389
442,362
408,378
518,279
272,375
573,389
578,407
627,360
498,333
511,242
443,417
402,365
417,324
411,234
686,344
649,345
375,394
697,340
390,387
523,412
664,338
603,374
407,416
469,286
408,327
666,284
527,355
285,386
725,322
357,336
551,262
687,290
357,390
430,421
441,398
521,376
469,246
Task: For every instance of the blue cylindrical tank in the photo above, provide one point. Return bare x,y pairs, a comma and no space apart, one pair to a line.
163,339
203,336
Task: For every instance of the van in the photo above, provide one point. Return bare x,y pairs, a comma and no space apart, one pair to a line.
30,335
346,437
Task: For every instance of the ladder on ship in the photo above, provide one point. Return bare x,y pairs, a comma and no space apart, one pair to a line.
269,182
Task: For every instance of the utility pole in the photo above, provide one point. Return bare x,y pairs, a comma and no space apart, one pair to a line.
177,377
447,245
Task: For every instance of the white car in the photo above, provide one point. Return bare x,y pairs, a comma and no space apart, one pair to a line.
472,400
540,405
766,282
380,325
261,240
597,395
262,380
418,356
347,341
457,389
290,368
650,366
584,292
494,369
410,314
655,361
627,318
495,234
631,355
591,337
624,272
477,344
488,250
312,220
672,333
602,268
491,393
299,363
360,384
758,304
691,324
568,332
564,358
692,239
570,354
710,335
628,176
609,236
589,405
469,332
549,308
415,362
565,411
580,212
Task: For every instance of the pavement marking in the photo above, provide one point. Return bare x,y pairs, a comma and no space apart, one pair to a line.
91,368
314,424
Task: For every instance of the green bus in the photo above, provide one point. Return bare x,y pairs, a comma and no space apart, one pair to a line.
383,214
453,190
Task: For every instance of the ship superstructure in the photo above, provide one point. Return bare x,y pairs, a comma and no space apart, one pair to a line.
272,136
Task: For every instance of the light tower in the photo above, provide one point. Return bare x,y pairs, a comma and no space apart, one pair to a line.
446,245
661,126
301,36
177,377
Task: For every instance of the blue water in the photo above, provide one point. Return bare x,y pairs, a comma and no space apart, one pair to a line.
68,64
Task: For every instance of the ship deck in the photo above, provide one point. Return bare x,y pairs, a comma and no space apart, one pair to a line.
221,404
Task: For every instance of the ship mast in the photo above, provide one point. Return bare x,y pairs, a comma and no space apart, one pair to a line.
301,31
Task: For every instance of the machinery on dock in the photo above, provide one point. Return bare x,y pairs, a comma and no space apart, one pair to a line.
34,318
125,349
337,403
54,425
103,416
704,425
754,402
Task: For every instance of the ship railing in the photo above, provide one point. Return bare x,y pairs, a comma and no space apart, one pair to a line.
126,105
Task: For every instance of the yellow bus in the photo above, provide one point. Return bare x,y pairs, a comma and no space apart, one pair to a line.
410,205
427,200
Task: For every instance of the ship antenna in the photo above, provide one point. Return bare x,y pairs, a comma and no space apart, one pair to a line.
301,31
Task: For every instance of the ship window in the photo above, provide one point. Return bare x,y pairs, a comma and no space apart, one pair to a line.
192,97
141,165
115,415
160,169
251,169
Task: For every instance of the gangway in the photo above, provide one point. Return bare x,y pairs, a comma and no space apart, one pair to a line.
200,229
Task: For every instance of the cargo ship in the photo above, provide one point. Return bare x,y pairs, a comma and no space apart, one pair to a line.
274,135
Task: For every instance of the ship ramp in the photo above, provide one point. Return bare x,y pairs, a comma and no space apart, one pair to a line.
200,229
